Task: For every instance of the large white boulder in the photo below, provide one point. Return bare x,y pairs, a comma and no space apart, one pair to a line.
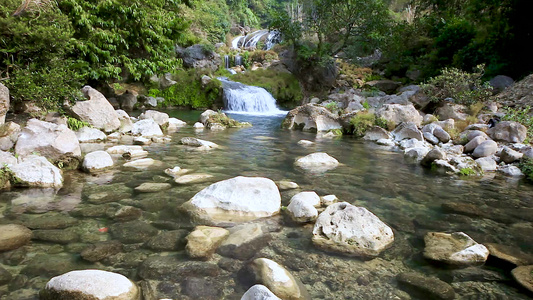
175,124
55,142
9,133
37,171
235,200
146,128
317,162
97,111
90,135
352,231
125,122
302,207
456,249
90,284
398,113
160,118
508,131
97,161
311,118
277,279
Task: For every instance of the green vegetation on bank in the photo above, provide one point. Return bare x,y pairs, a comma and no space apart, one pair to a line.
282,85
364,121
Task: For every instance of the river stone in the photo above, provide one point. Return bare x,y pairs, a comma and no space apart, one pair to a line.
433,155
376,133
305,143
328,200
171,268
473,143
146,128
426,287
176,171
508,131
284,185
9,133
13,236
351,230
143,163
152,187
204,117
96,111
302,211
141,141
509,155
407,130
37,171
311,117
317,162
487,164
90,285
259,292
512,171
398,113
132,232
277,279
7,159
4,102
51,220
192,178
244,241
128,151
173,240
160,118
127,213
511,254
198,125
175,124
204,240
524,276
90,135
98,251
455,249
235,200
5,276
97,161
200,144
487,148
430,138
416,154
55,142
126,125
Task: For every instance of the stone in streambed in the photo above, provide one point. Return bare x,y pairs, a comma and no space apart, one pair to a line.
152,187
97,111
235,200
192,178
13,236
487,148
244,241
204,240
37,171
317,162
143,163
351,230
168,240
524,276
133,232
510,254
302,207
90,285
259,292
277,279
426,287
101,250
284,185
97,161
456,249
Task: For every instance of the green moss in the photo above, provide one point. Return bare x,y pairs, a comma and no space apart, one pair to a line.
223,119
282,85
467,172
526,166
189,91
75,124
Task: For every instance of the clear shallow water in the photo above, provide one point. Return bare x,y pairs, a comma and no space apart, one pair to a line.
410,199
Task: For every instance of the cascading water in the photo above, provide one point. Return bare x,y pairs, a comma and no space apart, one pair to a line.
241,98
227,61
250,40
238,60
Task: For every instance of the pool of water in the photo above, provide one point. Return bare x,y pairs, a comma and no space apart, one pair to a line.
413,201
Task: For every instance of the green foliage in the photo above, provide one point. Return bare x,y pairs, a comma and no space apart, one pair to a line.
209,18
222,118
465,88
467,172
337,132
364,121
189,91
283,86
332,107
75,124
523,116
526,166
365,104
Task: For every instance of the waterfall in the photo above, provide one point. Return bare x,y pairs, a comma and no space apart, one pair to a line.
250,40
241,98
226,61
238,60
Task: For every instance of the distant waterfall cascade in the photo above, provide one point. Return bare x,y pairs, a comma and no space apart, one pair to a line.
241,98
238,60
270,38
227,62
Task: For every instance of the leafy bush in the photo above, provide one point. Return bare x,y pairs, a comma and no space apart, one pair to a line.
464,88
467,172
363,121
75,124
222,118
262,55
332,107
189,91
523,116
526,165
283,86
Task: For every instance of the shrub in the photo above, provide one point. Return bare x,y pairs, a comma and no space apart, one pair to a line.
521,115
467,172
222,118
526,165
465,88
75,124
363,121
189,91
332,107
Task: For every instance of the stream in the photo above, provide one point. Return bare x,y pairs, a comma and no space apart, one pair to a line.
412,200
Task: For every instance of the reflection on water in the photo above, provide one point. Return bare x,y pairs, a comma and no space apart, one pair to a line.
411,200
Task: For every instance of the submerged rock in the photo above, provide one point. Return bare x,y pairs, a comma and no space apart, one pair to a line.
455,249
352,231
204,240
277,279
524,276
259,292
426,287
235,200
510,254
244,241
198,143
13,236
143,163
90,284
152,187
